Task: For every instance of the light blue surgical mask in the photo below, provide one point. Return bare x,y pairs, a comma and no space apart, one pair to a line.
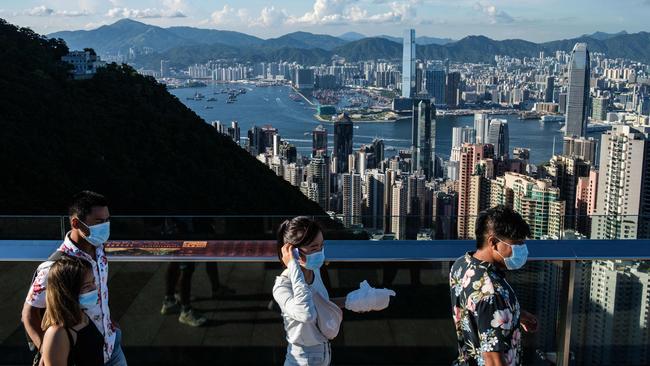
518,258
98,233
89,299
315,260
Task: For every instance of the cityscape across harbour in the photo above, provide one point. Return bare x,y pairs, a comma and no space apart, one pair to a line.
295,121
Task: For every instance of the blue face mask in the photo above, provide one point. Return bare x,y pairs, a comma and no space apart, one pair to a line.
89,299
98,233
518,258
315,260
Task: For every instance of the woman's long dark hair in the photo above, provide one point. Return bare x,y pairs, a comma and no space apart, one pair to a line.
299,231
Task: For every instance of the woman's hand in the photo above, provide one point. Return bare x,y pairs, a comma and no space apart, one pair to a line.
287,254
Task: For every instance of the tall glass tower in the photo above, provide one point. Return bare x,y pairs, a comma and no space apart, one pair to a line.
408,64
577,108
423,138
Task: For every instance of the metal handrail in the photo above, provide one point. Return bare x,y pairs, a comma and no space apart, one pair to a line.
337,250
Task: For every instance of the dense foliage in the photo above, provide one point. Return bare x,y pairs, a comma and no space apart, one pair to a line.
121,134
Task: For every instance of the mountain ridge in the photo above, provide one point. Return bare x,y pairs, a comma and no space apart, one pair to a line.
312,48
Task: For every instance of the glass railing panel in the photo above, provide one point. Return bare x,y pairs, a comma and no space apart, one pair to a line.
611,313
243,326
31,227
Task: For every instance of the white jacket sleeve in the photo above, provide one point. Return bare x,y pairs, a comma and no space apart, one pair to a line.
295,298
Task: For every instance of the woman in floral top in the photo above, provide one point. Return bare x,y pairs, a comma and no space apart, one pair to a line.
485,308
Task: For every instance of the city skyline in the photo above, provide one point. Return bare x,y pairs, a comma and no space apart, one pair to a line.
501,19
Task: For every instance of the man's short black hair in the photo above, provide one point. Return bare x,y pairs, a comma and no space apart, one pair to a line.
83,203
504,222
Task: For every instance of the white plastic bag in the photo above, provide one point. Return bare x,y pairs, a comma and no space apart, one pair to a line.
367,298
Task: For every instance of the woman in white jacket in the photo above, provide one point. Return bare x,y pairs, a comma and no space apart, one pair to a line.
310,317
301,250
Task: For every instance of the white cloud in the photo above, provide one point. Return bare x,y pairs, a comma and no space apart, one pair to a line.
351,12
44,11
227,15
271,17
323,12
144,13
493,15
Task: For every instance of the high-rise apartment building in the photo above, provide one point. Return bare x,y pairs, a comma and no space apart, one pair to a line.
578,92
623,199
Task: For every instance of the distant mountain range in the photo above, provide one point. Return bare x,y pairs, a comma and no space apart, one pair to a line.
183,46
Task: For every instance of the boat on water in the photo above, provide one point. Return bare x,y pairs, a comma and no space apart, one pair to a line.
552,118
209,107
594,127
212,99
294,97
390,148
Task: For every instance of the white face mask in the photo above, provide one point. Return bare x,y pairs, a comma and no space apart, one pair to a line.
518,258
98,233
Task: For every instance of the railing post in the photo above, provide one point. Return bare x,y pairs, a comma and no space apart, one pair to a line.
566,312
62,223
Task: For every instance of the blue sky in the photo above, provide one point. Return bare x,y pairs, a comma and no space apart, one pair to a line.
535,20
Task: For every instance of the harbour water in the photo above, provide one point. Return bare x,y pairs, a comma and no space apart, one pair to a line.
295,121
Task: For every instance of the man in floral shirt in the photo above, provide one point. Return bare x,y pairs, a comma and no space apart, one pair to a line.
89,219
485,308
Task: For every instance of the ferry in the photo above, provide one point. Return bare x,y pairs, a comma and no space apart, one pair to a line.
552,118
594,127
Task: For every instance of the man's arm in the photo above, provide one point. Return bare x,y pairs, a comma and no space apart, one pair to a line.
31,317
493,359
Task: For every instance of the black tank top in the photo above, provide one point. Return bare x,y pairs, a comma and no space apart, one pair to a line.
89,348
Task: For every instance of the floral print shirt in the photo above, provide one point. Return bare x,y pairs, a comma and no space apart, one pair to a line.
99,314
486,312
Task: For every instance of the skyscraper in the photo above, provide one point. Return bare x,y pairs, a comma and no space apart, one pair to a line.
423,136
399,202
462,135
435,85
470,187
580,147
343,131
318,172
374,200
548,91
499,136
536,200
310,190
293,174
415,207
351,199
585,205
578,91
599,108
319,141
408,64
452,89
623,199
564,172
482,127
